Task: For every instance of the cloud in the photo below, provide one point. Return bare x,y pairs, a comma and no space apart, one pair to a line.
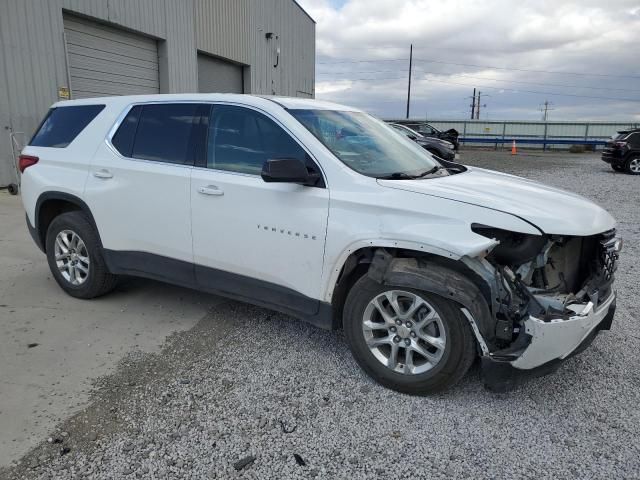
362,52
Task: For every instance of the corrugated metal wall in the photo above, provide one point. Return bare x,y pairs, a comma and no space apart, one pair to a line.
33,63
32,56
221,29
294,33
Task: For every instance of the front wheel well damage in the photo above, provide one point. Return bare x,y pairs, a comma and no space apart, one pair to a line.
439,275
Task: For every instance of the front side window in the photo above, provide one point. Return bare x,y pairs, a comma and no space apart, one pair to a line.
365,144
241,140
63,124
160,132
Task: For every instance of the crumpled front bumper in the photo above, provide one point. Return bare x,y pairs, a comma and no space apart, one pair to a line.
551,343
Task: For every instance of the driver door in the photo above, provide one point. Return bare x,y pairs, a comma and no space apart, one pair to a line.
252,239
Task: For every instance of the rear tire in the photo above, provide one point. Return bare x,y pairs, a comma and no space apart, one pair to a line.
373,335
632,166
75,257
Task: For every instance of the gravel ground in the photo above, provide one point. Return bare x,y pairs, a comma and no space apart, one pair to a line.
249,393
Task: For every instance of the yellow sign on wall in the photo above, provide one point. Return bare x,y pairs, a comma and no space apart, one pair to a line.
64,93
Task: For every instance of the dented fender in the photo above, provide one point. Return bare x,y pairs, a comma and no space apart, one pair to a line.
431,276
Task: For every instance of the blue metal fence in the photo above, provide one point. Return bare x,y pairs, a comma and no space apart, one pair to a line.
543,135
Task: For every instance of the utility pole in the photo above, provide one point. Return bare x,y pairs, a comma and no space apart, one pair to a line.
473,104
478,104
545,108
409,86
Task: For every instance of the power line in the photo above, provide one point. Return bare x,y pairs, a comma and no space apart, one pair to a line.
493,67
537,92
564,85
528,70
544,84
363,61
516,90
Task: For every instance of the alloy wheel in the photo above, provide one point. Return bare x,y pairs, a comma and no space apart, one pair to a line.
72,257
404,332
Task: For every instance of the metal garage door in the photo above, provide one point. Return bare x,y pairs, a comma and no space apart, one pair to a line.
217,75
107,61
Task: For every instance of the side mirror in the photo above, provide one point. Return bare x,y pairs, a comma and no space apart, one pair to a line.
285,170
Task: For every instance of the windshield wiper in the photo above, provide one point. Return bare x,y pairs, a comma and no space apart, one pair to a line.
397,176
429,172
407,176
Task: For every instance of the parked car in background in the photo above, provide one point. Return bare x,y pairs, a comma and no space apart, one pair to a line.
320,211
440,148
428,130
623,152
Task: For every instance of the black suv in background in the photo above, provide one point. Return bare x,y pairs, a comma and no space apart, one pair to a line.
623,152
438,147
427,130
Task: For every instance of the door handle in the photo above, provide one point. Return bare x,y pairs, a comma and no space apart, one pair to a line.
210,190
103,173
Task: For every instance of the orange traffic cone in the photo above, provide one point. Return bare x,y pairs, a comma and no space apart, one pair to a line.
514,150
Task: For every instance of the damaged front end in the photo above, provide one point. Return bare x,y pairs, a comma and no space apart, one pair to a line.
550,296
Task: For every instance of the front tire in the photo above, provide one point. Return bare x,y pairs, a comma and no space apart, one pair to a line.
75,257
632,166
406,339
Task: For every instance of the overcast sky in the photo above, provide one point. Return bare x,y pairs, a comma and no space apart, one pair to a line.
520,53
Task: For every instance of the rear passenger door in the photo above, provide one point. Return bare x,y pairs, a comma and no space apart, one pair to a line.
139,189
260,241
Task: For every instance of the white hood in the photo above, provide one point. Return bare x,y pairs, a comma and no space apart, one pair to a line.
552,210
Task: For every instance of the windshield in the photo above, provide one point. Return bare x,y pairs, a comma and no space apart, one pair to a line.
367,145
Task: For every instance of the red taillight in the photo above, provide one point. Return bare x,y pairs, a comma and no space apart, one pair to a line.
25,161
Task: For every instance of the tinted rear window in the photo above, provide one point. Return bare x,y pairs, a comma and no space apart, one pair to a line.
63,124
124,137
160,132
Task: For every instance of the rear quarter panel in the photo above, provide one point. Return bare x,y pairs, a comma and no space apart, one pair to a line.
63,169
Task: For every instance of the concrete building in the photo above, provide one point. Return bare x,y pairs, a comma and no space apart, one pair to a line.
58,49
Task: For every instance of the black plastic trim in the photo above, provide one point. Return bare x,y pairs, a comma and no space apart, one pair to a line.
34,233
59,196
430,276
219,282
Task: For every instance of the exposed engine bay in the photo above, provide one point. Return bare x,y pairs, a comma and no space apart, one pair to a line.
549,277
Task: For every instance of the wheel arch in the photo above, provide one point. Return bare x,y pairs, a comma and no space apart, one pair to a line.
52,204
422,269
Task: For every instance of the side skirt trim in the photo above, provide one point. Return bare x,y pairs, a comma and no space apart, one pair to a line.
219,282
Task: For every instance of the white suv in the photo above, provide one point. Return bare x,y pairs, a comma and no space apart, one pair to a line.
327,214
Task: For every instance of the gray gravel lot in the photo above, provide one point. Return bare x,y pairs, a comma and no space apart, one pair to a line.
247,382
